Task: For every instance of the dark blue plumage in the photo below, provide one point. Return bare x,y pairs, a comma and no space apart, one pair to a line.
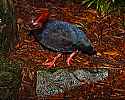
63,37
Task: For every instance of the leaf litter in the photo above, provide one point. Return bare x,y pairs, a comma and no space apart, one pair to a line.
107,36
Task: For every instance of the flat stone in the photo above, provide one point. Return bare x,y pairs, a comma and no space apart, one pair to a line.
57,82
91,75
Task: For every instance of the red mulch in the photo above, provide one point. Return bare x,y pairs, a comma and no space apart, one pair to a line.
100,30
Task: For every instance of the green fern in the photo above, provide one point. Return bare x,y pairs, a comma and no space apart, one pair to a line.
104,6
101,5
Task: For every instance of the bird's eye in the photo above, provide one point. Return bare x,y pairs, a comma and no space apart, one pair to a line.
32,21
0,20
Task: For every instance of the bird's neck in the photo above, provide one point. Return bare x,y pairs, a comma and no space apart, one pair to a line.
38,30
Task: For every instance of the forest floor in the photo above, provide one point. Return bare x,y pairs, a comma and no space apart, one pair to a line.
107,34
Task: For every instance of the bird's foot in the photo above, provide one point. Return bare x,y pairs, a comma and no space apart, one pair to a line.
49,64
69,61
70,58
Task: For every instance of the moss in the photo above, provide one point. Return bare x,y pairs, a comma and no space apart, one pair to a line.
9,79
53,70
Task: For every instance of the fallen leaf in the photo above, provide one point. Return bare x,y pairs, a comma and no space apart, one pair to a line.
77,60
111,53
30,75
18,45
86,63
122,30
99,54
108,65
27,41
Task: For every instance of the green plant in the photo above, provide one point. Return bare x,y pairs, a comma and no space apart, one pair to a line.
104,6
101,5
8,29
9,79
118,6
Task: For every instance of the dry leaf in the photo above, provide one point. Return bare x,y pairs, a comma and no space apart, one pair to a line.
122,30
108,65
111,53
99,54
30,75
18,45
27,41
86,63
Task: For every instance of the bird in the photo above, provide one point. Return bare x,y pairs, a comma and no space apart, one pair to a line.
61,37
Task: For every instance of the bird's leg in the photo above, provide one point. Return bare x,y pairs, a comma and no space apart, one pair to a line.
69,59
52,63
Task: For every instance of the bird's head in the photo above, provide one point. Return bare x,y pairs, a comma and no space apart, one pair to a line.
41,19
85,48
37,24
88,50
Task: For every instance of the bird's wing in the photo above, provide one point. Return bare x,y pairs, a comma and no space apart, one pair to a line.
58,35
